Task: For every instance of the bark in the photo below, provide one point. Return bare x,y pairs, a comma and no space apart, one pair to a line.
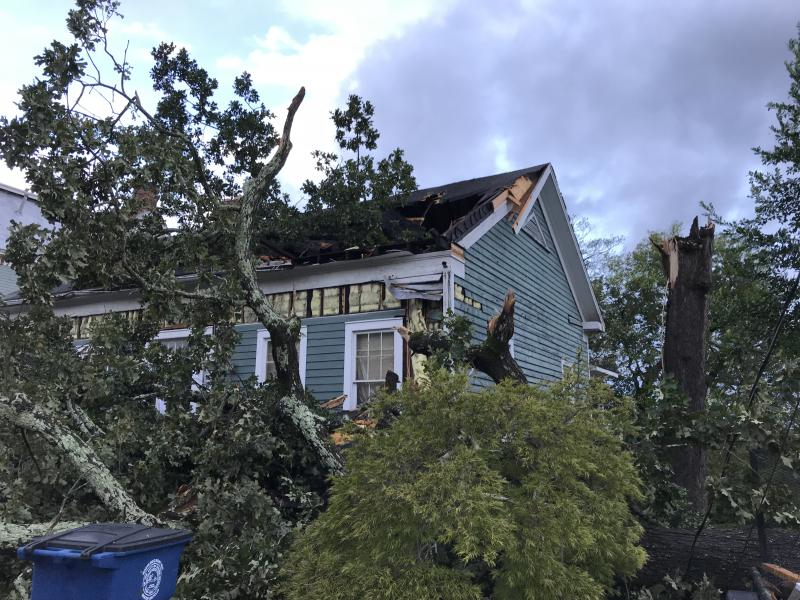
14,535
720,553
687,266
492,357
32,417
283,332
760,586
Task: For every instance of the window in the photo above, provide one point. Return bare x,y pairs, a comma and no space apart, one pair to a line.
371,349
175,339
265,364
534,229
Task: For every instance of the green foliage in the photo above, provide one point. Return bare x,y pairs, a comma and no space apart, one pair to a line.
511,492
677,588
776,192
349,203
631,291
137,198
747,292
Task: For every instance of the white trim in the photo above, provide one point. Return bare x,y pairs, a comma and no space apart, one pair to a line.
397,265
198,377
485,225
448,289
17,191
595,370
262,344
353,327
522,219
578,253
593,326
557,248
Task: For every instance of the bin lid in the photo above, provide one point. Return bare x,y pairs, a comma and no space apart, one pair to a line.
111,537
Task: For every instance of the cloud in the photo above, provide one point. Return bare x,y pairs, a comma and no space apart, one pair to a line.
341,36
645,109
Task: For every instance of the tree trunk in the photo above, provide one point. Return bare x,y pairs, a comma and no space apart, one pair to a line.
719,554
283,332
687,266
492,357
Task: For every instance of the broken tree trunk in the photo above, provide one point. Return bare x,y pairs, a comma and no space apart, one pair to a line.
283,332
492,357
687,267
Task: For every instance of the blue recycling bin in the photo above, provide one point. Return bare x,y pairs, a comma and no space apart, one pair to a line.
106,561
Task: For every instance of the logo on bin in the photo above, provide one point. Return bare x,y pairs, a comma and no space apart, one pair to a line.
151,579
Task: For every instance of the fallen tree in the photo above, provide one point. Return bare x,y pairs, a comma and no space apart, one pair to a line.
166,204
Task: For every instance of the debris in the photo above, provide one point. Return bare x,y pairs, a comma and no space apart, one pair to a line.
334,402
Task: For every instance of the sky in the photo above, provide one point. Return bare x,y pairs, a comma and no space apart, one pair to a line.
644,108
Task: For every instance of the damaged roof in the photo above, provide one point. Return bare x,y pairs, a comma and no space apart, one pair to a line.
436,217
455,209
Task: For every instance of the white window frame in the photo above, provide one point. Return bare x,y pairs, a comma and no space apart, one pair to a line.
198,377
351,328
262,345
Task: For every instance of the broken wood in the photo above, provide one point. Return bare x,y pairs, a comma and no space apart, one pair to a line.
687,267
781,573
283,332
492,357
760,586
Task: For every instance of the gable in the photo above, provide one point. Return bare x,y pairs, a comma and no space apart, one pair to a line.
548,325
534,206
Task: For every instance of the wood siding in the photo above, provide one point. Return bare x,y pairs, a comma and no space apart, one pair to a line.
548,326
324,356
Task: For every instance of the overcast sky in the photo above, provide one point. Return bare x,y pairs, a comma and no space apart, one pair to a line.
645,108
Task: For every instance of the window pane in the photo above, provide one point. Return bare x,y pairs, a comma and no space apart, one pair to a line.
270,368
271,372
387,342
374,357
174,343
365,391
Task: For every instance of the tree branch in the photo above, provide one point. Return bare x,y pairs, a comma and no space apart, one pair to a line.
24,413
14,535
283,332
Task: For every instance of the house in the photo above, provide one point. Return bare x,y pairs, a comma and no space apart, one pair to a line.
19,206
482,237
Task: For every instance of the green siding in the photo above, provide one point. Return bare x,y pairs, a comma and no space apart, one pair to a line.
548,326
324,354
8,280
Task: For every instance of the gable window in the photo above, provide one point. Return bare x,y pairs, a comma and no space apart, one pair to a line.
174,340
265,363
371,348
534,229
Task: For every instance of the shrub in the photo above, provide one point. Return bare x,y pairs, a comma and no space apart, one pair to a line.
510,492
